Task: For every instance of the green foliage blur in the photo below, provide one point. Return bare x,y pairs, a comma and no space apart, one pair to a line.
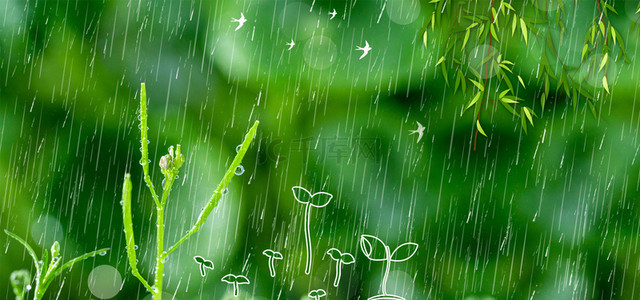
552,213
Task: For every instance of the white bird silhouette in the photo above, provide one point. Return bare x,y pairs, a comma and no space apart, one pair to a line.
240,21
365,49
419,131
291,44
333,14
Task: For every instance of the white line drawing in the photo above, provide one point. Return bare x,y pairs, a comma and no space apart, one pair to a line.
371,247
235,280
204,264
291,44
317,294
419,131
333,14
240,21
319,199
273,255
365,49
341,259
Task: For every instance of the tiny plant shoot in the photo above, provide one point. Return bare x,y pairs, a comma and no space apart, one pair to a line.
341,259
376,250
272,255
46,271
317,294
318,200
169,166
235,280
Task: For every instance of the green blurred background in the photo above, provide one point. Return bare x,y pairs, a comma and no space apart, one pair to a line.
551,214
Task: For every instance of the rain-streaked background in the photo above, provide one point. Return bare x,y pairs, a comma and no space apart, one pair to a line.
552,214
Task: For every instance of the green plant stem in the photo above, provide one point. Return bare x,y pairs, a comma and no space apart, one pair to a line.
387,269
307,238
217,194
338,271
128,231
161,255
144,143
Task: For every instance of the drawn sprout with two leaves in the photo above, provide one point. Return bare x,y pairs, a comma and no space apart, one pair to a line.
341,259
317,294
318,200
272,255
376,250
204,264
236,280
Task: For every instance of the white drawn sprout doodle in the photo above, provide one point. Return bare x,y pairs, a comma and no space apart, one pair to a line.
236,280
204,264
272,255
376,250
341,259
319,199
317,294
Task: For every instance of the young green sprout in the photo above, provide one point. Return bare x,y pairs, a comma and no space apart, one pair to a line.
376,250
204,264
20,282
169,166
317,294
341,259
318,200
46,271
272,255
236,280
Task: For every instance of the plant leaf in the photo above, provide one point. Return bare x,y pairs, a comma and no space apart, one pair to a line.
301,194
480,128
373,247
404,252
347,258
320,199
29,249
605,84
241,279
229,278
523,27
334,253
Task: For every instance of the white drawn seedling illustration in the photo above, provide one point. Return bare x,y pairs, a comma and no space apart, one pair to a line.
341,259
204,264
376,250
236,280
317,294
319,199
272,255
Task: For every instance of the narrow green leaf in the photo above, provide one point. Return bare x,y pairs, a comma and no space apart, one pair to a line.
521,81
604,61
480,128
523,27
605,84
440,61
528,114
466,38
28,248
477,84
474,100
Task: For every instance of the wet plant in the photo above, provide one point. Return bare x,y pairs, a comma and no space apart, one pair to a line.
46,271
235,280
272,255
341,259
318,200
169,166
376,250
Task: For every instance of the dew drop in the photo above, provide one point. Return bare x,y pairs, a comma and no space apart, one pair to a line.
225,192
239,170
